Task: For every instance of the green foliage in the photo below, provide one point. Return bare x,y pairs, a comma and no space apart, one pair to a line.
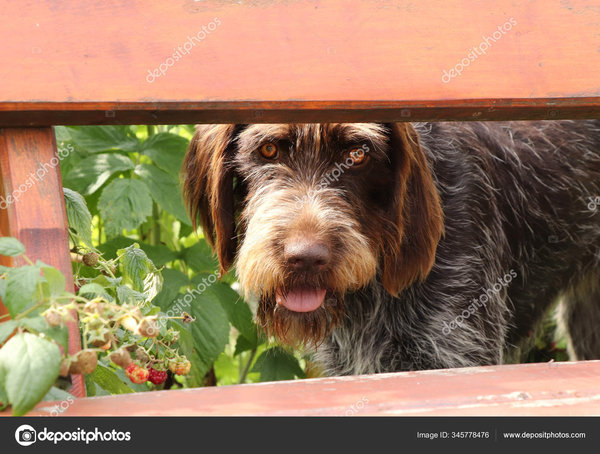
29,367
277,364
21,286
134,247
11,247
124,204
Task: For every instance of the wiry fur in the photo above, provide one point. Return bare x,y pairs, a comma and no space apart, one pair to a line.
440,213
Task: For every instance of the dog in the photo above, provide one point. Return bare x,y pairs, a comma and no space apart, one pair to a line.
406,246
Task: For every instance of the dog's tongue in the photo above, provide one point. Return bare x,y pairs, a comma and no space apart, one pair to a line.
302,299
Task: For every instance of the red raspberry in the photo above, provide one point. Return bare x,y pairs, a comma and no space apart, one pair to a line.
157,376
137,374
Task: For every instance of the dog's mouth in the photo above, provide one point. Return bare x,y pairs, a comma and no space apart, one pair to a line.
302,299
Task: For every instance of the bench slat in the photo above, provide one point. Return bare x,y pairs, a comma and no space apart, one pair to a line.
528,389
32,209
75,62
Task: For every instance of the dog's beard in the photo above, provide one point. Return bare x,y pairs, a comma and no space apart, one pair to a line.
300,329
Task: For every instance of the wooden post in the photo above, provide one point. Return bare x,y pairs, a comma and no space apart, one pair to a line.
32,208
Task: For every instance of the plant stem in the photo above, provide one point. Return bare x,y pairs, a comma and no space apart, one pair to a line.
106,268
100,223
247,368
155,229
30,310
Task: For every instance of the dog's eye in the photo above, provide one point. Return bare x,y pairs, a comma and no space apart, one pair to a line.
268,150
358,156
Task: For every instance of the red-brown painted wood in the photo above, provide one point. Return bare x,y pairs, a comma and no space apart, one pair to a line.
529,389
73,62
35,212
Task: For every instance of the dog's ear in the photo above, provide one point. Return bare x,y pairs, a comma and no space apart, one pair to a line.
208,188
416,210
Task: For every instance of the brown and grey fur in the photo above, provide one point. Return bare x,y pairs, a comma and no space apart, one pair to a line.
439,213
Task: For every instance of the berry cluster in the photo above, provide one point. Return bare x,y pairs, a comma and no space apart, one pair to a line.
133,340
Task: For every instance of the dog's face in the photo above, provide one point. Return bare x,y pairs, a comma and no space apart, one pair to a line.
311,212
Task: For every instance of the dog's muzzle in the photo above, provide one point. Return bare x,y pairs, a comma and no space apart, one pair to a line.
304,256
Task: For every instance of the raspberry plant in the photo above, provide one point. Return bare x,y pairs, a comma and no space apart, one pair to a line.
146,288
116,317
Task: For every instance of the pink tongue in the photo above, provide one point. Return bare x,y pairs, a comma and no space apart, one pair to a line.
301,300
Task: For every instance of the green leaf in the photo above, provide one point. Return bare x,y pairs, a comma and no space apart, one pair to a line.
165,190
200,258
153,283
92,172
186,343
62,134
78,215
243,345
167,151
55,280
174,280
11,246
238,311
103,138
2,289
6,329
3,397
276,364
59,334
91,290
108,380
126,294
160,254
57,394
29,367
124,204
109,248
20,288
135,265
210,330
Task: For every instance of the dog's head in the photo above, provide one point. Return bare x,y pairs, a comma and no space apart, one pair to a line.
311,212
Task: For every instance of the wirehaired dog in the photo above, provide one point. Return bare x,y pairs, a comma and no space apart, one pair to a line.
388,247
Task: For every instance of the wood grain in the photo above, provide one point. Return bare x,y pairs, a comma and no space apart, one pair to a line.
34,208
528,389
73,62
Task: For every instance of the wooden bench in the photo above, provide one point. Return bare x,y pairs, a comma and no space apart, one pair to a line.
73,63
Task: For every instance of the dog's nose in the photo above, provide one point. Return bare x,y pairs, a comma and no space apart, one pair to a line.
306,255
